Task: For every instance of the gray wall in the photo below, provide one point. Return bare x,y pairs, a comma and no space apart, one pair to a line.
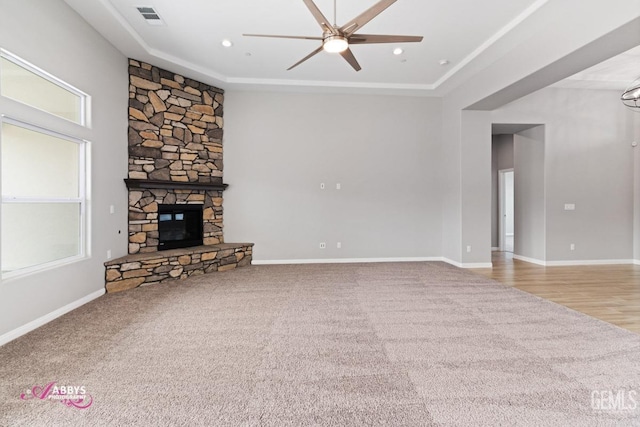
383,150
451,181
588,162
636,190
501,158
529,193
488,83
475,164
279,147
50,35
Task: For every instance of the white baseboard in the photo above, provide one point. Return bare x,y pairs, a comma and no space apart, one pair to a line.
590,262
341,260
369,260
527,259
477,265
452,262
576,262
636,261
24,329
494,248
468,264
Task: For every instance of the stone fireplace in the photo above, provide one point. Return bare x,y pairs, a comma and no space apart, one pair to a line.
143,212
175,159
175,152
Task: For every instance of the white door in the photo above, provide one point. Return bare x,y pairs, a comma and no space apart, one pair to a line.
506,215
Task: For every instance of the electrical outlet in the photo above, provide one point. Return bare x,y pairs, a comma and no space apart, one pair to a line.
339,245
572,246
323,245
338,186
112,209
468,248
109,254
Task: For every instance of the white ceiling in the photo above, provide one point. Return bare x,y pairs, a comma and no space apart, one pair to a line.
615,73
455,30
190,40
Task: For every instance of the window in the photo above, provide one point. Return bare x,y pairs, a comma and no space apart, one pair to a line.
29,85
42,175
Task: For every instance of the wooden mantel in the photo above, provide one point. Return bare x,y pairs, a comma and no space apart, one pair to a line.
173,185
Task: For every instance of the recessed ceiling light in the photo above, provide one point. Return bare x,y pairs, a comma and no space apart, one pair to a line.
444,62
398,51
227,43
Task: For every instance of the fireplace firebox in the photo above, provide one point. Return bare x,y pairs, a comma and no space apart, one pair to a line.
179,226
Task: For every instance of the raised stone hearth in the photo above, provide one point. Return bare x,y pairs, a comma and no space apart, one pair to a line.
145,269
175,158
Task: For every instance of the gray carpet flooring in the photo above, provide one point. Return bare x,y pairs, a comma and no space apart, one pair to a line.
397,344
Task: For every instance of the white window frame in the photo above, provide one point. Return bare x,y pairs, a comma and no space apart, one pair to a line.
83,159
84,98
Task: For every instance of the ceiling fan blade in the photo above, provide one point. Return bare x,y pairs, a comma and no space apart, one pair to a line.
348,56
359,21
283,37
325,24
380,38
318,50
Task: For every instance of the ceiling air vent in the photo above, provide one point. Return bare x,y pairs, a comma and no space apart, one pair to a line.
150,15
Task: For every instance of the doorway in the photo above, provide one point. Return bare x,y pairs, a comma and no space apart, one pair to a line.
517,190
506,236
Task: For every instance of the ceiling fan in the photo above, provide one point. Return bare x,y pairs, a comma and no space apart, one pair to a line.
338,39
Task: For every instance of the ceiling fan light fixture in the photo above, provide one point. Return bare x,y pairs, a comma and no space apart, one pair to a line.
398,51
335,44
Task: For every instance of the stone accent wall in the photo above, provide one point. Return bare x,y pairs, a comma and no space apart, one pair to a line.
175,127
175,135
175,157
143,215
147,269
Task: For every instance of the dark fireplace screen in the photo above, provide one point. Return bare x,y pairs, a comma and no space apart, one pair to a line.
179,226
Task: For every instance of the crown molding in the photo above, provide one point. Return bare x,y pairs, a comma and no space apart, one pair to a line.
240,83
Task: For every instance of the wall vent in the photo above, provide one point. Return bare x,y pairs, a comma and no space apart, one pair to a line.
150,15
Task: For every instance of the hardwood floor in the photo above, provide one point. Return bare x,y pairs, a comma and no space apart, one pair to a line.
607,292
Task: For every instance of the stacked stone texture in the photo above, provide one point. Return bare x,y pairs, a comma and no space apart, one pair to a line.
175,135
143,215
175,127
148,269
